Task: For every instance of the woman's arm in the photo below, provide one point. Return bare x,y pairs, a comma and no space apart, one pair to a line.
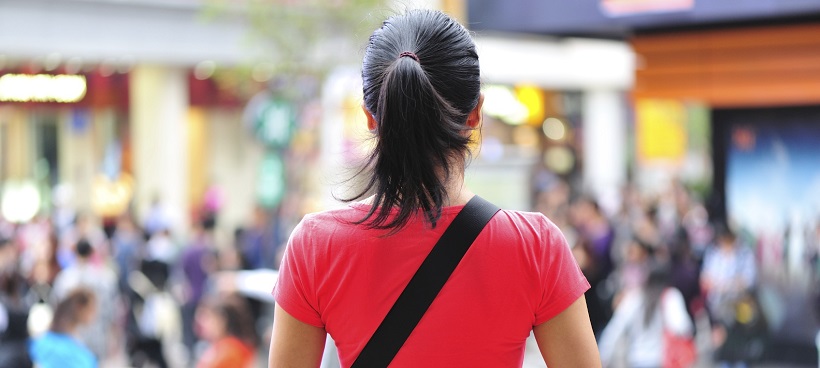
567,340
295,344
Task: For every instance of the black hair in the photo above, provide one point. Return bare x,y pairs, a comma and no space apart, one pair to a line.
591,201
420,104
724,232
83,248
237,315
208,221
658,279
644,245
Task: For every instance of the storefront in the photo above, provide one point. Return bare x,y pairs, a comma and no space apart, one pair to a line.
104,140
141,114
547,104
63,126
760,84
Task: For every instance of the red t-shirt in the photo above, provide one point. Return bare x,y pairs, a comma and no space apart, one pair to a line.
344,278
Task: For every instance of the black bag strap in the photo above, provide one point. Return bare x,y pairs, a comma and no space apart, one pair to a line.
425,285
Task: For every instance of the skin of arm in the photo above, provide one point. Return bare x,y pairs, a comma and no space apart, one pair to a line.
567,340
295,344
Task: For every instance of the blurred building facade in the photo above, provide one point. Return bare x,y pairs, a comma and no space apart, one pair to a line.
566,89
145,117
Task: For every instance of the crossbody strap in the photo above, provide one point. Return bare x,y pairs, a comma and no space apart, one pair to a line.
425,284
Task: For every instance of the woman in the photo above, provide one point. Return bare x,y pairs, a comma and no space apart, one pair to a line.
343,269
60,347
226,324
643,320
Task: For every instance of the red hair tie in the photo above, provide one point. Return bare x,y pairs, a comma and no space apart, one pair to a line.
411,55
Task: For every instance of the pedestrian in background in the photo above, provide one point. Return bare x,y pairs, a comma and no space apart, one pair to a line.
102,334
227,326
14,309
126,243
643,322
343,269
60,347
728,277
596,237
195,264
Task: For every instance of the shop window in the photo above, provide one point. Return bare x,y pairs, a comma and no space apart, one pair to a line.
46,147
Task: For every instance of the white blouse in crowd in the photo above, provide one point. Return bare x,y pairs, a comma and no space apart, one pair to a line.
641,342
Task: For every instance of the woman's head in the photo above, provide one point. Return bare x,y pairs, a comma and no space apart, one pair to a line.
422,97
725,237
76,309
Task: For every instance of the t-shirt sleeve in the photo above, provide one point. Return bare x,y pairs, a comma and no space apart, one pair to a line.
295,288
562,281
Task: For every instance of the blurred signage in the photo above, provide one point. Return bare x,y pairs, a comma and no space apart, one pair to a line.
630,7
111,198
501,102
62,88
271,184
275,123
532,98
660,130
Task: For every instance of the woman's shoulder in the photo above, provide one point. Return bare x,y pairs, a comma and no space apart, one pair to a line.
341,211
524,222
321,227
327,219
526,215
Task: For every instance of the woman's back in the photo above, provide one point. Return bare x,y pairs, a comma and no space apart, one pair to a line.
343,277
344,269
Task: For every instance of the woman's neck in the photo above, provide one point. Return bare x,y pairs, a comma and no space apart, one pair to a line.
457,192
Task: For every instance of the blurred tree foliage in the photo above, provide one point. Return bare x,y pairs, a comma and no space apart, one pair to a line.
303,36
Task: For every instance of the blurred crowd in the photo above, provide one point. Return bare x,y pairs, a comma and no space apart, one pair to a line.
78,291
660,266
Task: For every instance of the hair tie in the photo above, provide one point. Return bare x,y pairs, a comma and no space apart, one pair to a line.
411,55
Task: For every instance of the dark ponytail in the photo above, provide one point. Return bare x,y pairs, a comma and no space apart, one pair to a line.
421,81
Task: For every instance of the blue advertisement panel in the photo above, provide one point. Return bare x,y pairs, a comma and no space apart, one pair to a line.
772,198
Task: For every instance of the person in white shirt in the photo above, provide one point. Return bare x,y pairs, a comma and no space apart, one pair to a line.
729,273
99,334
640,320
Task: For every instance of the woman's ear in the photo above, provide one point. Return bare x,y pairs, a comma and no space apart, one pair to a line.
371,121
474,119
